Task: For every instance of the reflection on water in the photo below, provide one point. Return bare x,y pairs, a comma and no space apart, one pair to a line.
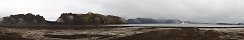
179,25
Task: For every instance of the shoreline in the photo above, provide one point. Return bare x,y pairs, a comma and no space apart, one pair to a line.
115,33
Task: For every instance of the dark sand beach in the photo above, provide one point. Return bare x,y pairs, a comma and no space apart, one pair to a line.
118,33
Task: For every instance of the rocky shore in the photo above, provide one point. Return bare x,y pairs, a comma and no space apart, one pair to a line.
119,33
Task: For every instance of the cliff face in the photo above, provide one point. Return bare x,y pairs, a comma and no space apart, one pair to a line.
24,19
89,18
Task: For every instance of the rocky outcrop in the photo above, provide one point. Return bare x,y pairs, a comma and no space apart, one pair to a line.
89,18
24,19
64,19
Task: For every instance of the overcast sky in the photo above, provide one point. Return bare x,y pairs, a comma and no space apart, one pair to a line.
193,10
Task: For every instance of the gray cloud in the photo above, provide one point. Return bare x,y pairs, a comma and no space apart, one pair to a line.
193,10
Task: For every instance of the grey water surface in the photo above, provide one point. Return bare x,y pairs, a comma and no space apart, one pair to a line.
177,25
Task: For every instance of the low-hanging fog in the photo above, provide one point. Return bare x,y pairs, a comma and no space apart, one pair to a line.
192,10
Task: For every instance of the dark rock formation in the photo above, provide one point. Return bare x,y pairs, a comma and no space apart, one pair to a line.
24,19
89,18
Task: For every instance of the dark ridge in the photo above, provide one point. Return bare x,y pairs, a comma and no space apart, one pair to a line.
89,18
65,19
24,19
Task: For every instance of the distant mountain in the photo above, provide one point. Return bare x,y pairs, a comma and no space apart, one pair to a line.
141,21
152,21
160,21
168,21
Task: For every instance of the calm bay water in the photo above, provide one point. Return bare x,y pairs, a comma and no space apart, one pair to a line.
179,25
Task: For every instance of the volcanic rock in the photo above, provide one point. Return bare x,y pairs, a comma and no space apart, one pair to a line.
24,19
89,18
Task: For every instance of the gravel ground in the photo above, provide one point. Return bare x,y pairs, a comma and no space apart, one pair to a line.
70,34
122,33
